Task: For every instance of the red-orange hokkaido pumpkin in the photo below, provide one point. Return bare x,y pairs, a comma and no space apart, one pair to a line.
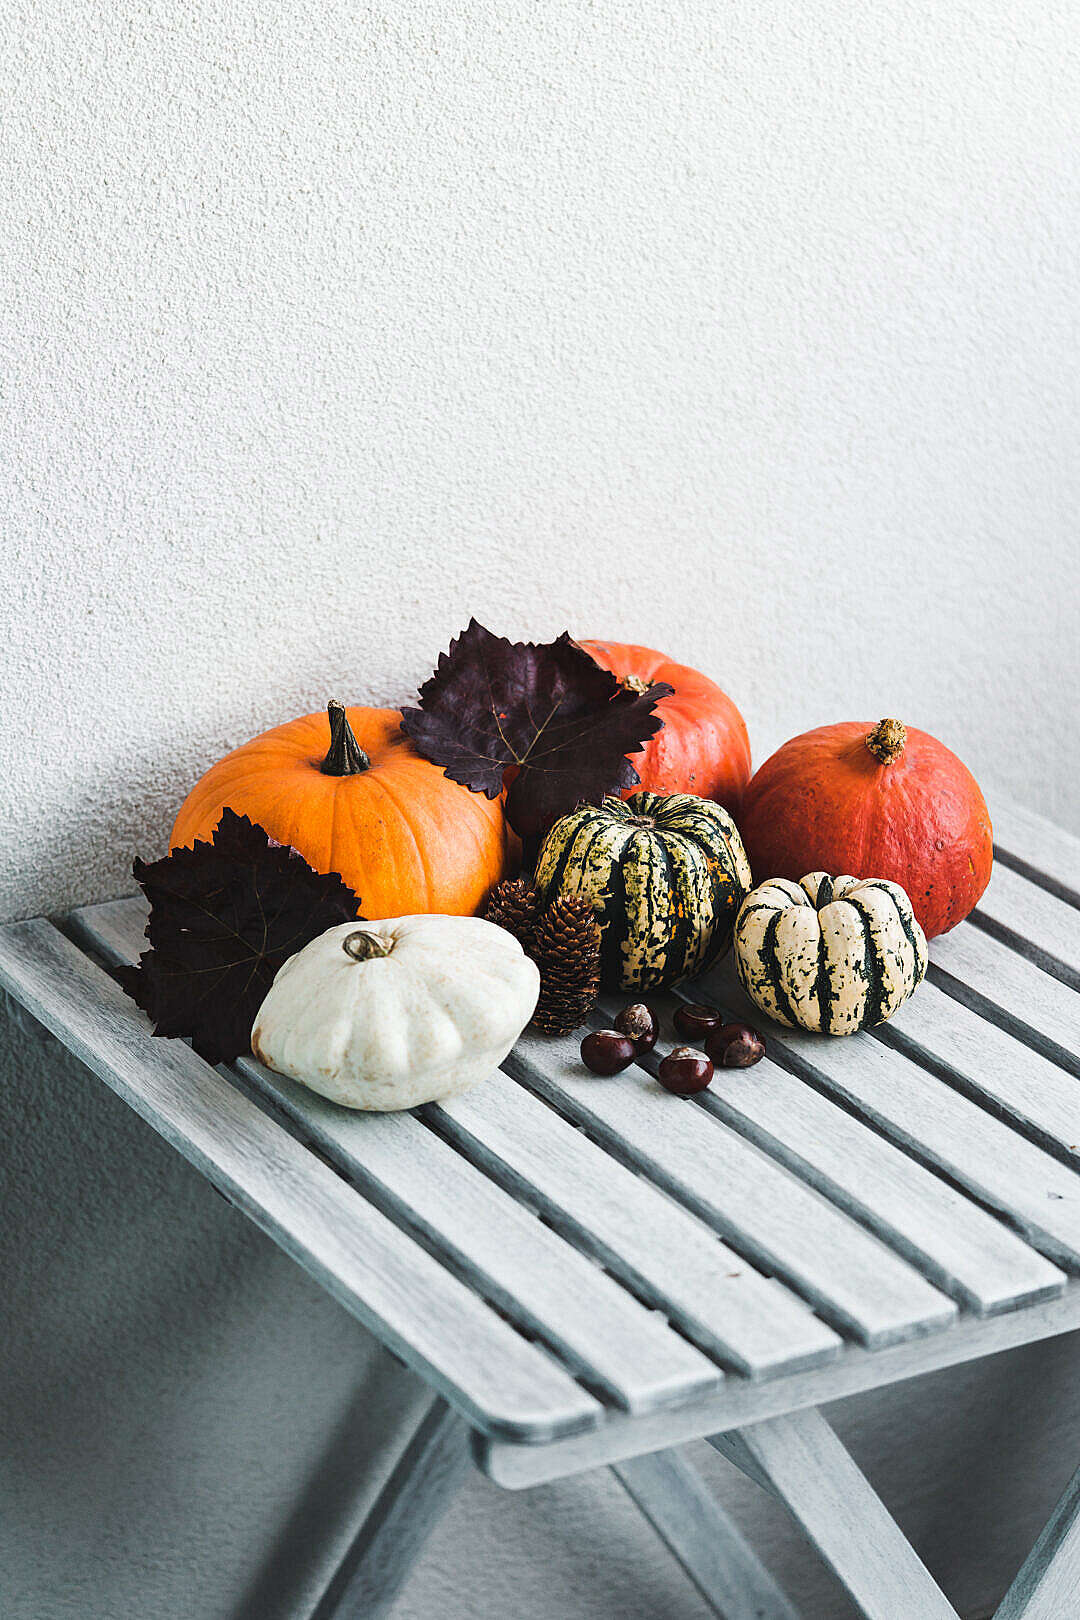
703,747
876,802
353,796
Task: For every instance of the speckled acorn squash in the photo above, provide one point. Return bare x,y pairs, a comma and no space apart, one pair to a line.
665,875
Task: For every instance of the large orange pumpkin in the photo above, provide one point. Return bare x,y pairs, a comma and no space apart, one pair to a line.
703,746
880,801
353,796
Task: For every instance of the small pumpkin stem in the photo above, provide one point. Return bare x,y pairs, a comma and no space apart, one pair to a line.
363,947
886,741
344,757
634,683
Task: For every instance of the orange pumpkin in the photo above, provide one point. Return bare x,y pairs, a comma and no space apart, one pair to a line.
703,747
882,801
353,796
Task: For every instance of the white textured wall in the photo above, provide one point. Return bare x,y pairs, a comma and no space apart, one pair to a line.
748,331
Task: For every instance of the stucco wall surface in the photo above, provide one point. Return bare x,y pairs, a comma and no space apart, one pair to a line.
745,331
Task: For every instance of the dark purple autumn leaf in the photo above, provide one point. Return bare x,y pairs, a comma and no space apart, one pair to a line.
224,916
547,709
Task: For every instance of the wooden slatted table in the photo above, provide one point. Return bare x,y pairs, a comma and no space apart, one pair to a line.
588,1272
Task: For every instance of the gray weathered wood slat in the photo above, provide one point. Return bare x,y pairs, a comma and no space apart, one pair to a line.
1037,846
740,1401
671,1258
989,1063
843,1516
783,1225
1010,990
962,1249
1046,926
429,1318
421,1487
1048,1584
542,1282
1034,1191
20,1016
706,1541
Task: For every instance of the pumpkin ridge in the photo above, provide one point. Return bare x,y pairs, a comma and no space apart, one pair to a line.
724,856
407,823
696,874
822,988
653,925
751,911
611,956
335,809
771,958
587,837
875,969
678,929
906,922
723,914
724,890
472,823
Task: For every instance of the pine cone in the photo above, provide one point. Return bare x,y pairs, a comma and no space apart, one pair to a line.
566,949
512,904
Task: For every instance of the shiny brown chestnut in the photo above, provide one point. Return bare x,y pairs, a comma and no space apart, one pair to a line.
735,1046
607,1051
640,1023
685,1071
694,1019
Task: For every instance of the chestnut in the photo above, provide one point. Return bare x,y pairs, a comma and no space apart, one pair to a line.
685,1071
640,1023
694,1019
735,1046
607,1051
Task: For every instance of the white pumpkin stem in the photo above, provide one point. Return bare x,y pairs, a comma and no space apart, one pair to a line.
344,757
886,741
364,947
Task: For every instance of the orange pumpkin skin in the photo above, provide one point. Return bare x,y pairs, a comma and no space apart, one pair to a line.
703,747
824,803
401,834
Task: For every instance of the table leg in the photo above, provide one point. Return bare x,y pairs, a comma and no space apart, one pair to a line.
707,1543
802,1461
797,1457
1048,1585
407,1509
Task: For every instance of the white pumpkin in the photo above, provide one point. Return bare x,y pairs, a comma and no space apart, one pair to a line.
829,954
386,1015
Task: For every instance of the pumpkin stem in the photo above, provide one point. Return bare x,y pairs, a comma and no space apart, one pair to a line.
635,684
364,947
344,757
886,741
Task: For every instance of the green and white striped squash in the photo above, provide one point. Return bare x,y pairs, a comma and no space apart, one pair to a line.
665,875
829,954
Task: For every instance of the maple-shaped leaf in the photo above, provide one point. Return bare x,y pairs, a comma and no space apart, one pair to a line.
546,709
224,916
